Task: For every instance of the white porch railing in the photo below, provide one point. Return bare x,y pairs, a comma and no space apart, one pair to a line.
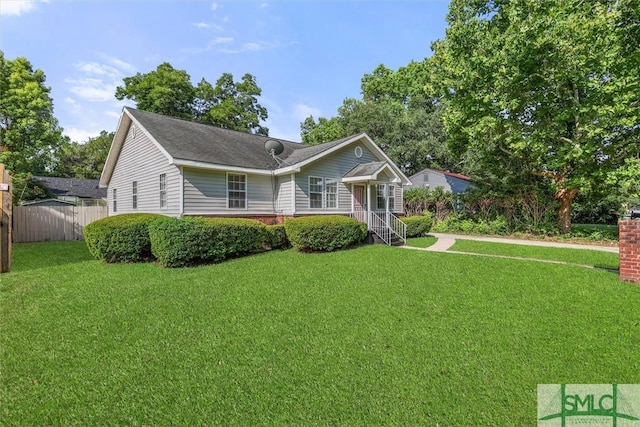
384,224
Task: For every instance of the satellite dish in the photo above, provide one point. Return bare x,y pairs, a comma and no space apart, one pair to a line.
273,147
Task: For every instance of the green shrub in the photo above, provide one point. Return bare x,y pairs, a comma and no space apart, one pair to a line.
276,237
190,241
449,224
419,225
121,238
324,232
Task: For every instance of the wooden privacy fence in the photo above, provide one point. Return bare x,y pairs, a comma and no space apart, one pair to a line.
53,223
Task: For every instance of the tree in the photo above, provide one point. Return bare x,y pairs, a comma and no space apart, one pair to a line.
164,91
29,133
396,113
168,91
551,87
84,160
231,105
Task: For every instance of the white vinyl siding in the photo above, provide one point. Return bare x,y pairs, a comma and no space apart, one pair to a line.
284,194
236,191
205,193
142,161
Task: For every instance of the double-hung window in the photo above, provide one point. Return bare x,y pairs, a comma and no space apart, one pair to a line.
392,197
380,199
236,191
134,194
331,193
315,192
114,197
163,191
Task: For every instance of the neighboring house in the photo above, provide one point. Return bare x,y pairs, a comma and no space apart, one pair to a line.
433,178
48,202
176,167
80,192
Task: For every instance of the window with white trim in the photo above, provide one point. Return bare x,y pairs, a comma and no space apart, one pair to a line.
236,191
163,191
392,196
315,192
114,199
134,194
380,199
331,193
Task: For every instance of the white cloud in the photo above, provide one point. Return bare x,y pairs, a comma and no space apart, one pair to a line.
113,114
215,6
221,40
200,25
81,135
97,81
251,47
300,112
92,91
16,7
118,63
264,5
99,69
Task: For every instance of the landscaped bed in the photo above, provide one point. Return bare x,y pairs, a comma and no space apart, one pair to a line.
369,336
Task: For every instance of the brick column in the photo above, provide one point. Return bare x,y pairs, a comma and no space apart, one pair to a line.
629,244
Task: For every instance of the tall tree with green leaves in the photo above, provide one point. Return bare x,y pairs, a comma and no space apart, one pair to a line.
231,105
164,91
84,160
550,86
29,132
228,104
396,113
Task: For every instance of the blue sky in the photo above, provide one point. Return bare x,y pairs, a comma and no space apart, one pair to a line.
307,56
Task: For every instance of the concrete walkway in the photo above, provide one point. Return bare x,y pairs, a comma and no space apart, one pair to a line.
445,241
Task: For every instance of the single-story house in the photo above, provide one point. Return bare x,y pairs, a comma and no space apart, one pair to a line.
80,192
176,167
433,178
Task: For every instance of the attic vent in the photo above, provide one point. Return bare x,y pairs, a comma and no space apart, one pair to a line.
358,151
133,131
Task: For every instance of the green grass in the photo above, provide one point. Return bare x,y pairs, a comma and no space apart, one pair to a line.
421,242
593,258
370,336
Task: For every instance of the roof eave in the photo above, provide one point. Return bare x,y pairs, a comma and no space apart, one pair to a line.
217,167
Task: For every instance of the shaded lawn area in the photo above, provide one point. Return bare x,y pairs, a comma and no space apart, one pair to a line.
599,259
370,336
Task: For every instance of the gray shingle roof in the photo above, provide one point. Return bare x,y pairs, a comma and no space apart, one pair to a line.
364,169
84,188
187,140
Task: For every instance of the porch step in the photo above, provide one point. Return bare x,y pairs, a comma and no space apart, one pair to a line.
375,239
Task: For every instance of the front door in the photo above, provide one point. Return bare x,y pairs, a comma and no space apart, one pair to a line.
359,202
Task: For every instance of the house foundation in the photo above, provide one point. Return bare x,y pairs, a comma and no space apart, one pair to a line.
629,250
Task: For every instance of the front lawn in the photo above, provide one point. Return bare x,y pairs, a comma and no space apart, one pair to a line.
371,336
594,258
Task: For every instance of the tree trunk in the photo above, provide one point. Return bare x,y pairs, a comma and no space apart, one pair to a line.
565,195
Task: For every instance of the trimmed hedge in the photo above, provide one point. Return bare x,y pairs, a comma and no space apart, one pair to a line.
121,238
276,237
324,232
190,241
419,225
